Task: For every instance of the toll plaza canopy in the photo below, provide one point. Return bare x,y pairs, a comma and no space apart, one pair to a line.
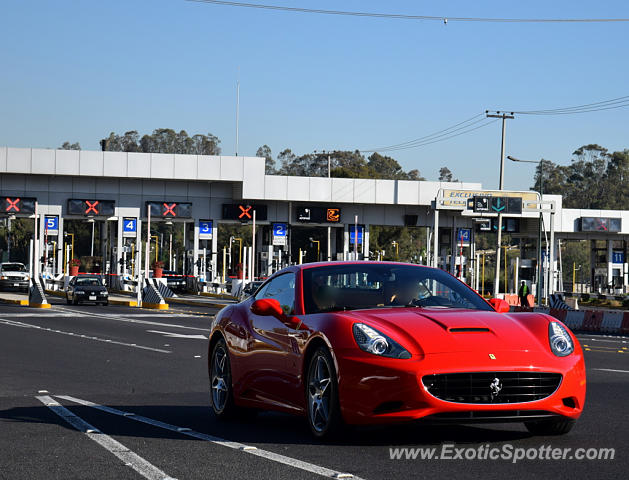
205,191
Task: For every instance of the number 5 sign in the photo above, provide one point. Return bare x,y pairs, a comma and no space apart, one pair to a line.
51,227
129,227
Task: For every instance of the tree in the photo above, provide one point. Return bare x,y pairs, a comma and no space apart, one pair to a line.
162,140
269,164
445,175
70,146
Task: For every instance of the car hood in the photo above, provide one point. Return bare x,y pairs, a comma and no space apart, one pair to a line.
431,330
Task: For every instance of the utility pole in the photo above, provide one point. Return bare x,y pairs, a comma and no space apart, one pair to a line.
237,108
504,117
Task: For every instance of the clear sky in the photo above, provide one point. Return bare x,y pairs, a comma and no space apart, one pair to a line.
77,70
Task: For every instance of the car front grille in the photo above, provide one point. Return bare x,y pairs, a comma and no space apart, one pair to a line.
492,387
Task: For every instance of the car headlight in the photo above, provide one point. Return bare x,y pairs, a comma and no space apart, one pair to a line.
79,292
372,341
560,340
104,293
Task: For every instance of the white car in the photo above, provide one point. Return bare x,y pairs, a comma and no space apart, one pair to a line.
13,275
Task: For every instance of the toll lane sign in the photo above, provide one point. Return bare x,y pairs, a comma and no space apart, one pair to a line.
129,227
280,231
205,230
51,226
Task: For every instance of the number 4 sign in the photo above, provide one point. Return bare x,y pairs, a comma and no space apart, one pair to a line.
129,227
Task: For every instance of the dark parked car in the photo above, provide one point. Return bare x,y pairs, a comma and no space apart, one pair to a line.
87,288
175,281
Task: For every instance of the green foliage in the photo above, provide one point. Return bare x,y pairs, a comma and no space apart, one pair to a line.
445,175
70,146
162,140
343,164
594,179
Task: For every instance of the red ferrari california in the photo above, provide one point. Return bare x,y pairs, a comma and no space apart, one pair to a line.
374,342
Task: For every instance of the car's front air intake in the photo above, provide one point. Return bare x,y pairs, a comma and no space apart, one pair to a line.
492,387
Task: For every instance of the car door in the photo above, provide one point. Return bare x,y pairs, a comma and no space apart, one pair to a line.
272,344
70,290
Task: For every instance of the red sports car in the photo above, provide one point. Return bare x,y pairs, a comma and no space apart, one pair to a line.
376,342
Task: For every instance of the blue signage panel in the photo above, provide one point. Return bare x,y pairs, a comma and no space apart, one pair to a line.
352,235
465,235
129,227
205,230
51,226
618,257
279,229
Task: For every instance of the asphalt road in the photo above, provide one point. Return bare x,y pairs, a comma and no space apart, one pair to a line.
138,377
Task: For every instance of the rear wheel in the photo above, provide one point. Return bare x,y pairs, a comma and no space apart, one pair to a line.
322,399
221,394
551,426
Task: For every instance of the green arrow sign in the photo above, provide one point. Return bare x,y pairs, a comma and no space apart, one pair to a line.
499,206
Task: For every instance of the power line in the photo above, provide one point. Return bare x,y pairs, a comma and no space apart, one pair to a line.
619,102
436,140
399,16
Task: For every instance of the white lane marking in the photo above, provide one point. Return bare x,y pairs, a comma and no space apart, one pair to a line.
118,318
276,457
601,340
611,370
178,335
129,458
78,335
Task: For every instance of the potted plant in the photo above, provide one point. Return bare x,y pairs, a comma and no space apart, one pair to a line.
158,269
75,263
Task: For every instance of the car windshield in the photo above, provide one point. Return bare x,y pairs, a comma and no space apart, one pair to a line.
362,286
91,282
13,267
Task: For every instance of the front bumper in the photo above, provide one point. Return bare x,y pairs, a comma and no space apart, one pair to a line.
91,297
14,283
374,389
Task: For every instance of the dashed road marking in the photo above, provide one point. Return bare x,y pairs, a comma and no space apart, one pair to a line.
78,335
293,462
611,370
129,458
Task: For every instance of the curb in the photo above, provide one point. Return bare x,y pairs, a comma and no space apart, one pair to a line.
124,303
14,302
39,305
155,306
185,301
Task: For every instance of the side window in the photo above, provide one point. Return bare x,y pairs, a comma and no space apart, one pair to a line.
281,289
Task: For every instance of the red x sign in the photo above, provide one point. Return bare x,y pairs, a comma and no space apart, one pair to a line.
12,205
91,207
245,211
170,210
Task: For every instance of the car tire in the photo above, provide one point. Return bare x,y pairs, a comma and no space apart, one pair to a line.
221,389
323,410
551,426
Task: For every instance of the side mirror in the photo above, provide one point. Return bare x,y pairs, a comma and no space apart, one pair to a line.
272,308
267,307
499,305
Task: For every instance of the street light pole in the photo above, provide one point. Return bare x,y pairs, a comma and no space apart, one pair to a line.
540,223
504,117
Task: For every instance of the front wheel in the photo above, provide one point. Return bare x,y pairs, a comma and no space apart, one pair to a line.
551,426
221,395
322,398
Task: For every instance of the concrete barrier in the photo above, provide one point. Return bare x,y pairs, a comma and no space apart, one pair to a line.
595,321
